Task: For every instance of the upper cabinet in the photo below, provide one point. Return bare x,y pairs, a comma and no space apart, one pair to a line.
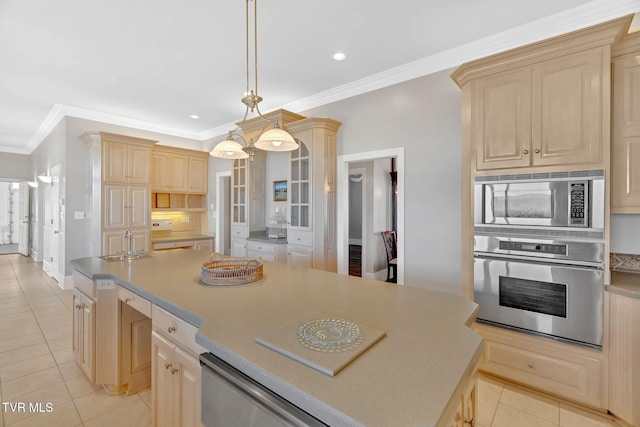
625,153
125,160
542,105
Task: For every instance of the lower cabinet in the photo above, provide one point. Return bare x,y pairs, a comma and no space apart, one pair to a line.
84,326
175,372
266,251
201,245
465,415
568,371
300,255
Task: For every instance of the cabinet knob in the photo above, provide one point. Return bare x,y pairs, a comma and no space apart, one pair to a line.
173,371
167,365
530,364
80,306
126,300
470,422
171,329
537,151
525,151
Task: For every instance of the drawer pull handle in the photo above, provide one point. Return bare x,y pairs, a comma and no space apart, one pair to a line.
470,422
80,306
171,329
173,371
530,364
525,151
167,365
537,151
126,300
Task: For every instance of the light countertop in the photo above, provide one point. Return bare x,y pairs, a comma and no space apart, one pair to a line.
623,283
409,378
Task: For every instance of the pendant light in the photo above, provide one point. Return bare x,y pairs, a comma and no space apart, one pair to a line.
272,136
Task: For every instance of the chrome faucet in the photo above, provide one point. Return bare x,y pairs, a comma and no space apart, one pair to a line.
127,235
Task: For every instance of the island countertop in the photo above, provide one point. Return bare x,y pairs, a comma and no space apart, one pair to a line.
411,377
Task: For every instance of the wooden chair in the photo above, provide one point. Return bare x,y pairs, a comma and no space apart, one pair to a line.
390,245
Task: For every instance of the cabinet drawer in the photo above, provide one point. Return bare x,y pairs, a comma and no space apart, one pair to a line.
84,284
135,301
239,232
264,256
175,329
303,238
173,245
570,374
265,248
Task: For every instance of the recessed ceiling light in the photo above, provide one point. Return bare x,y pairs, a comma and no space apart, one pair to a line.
339,56
194,116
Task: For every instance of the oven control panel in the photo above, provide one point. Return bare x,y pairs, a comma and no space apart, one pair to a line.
577,204
545,248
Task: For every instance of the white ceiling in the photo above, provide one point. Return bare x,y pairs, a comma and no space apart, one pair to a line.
151,64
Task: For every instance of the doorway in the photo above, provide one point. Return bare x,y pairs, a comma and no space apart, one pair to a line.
223,212
343,229
9,217
53,226
357,220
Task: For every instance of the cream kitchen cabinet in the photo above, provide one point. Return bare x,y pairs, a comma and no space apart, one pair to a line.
265,251
311,226
547,114
625,161
126,207
176,394
465,415
541,105
170,172
135,341
198,174
624,354
201,245
84,327
125,160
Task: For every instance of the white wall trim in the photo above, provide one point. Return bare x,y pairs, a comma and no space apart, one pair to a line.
342,207
65,283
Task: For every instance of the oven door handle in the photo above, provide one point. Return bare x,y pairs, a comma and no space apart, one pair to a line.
534,260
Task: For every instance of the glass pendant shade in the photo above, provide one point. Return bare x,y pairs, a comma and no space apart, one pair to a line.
276,139
229,149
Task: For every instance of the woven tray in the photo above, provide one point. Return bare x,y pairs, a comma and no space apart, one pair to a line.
227,271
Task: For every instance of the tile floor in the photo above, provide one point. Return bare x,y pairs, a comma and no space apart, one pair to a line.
37,366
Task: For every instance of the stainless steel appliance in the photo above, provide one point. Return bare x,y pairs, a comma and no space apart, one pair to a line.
553,204
552,287
230,398
539,253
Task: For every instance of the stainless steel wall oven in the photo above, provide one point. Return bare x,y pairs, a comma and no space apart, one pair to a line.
539,254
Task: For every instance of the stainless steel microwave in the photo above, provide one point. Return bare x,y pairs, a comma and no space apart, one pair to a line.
560,200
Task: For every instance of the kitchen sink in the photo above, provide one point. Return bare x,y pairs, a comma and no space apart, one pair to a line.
123,257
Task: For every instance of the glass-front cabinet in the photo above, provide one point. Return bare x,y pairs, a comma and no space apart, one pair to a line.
300,199
239,207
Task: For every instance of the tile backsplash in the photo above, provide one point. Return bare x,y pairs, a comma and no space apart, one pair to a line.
624,262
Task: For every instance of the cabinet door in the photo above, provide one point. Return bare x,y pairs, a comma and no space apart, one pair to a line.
87,337
114,208
201,245
567,116
238,247
138,164
114,162
164,393
300,256
161,172
77,326
179,171
198,175
138,207
469,402
502,126
299,198
140,241
239,192
188,375
625,169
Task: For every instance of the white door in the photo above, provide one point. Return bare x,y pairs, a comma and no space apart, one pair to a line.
24,218
47,227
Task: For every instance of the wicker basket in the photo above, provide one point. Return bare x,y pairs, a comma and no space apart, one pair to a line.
226,271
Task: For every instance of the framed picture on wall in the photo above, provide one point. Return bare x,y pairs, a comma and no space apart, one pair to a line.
279,191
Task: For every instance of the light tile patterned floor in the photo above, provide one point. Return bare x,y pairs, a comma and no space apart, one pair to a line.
37,366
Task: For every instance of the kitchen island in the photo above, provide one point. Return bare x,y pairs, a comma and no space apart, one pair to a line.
416,375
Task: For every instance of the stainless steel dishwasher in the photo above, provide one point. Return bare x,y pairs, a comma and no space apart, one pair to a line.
232,399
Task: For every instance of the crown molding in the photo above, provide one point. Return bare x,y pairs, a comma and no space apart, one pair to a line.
588,14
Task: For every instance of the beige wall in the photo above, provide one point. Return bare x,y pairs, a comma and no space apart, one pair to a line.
15,167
